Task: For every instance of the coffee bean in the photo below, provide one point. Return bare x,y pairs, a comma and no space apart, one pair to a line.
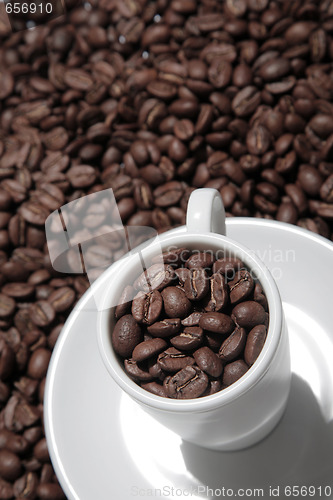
246,101
240,287
34,213
200,259
216,322
254,344
233,372
189,339
227,266
188,383
192,320
172,360
42,313
146,307
38,363
126,335
175,302
195,283
233,346
7,360
154,388
26,486
157,276
248,314
287,212
275,69
62,299
10,465
326,190
148,348
165,328
7,306
208,361
136,372
50,491
218,293
258,140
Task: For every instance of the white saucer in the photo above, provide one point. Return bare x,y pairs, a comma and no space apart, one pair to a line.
104,447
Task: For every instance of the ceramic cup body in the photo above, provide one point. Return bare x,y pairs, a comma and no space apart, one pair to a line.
243,413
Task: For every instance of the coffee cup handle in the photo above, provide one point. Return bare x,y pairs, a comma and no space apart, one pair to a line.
205,212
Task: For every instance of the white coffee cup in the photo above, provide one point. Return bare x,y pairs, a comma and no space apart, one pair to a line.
246,411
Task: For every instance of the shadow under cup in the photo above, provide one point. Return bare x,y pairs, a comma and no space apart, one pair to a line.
239,415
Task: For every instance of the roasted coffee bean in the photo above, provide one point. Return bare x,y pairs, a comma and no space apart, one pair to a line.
164,328
10,465
233,346
233,372
216,322
172,360
26,486
157,276
50,491
248,314
218,293
192,320
200,259
195,283
189,339
227,266
42,313
7,360
254,344
62,298
154,388
148,349
208,361
146,307
246,101
326,190
125,302
240,287
188,383
175,302
126,335
136,372
7,306
38,363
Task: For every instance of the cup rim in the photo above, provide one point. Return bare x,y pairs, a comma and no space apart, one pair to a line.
235,390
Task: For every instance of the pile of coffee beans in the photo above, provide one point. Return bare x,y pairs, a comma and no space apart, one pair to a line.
152,99
194,327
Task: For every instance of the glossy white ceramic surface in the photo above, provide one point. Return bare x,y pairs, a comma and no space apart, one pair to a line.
104,446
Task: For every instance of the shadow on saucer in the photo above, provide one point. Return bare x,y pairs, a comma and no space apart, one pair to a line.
299,451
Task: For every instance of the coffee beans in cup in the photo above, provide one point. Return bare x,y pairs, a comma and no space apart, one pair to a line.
192,325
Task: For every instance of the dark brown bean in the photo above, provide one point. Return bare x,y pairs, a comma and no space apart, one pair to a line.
233,346
248,314
172,360
190,338
126,335
208,361
216,322
254,344
188,383
148,349
175,302
234,371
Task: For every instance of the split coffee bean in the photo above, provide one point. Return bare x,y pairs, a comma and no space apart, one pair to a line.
195,326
